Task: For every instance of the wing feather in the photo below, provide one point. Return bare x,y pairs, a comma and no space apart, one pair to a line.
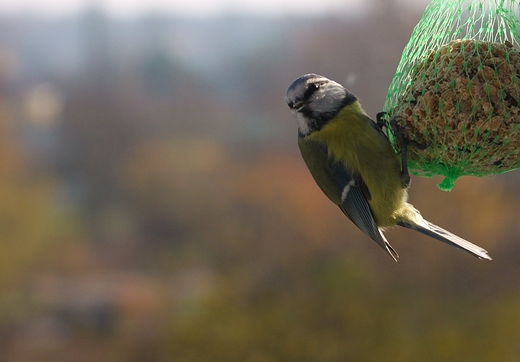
345,189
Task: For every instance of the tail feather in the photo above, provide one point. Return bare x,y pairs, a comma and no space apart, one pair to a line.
381,240
446,237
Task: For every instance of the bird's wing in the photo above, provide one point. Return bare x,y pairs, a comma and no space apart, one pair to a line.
346,190
354,204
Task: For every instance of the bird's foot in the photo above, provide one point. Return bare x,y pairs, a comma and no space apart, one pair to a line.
397,125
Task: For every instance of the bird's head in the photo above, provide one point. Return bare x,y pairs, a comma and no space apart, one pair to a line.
314,100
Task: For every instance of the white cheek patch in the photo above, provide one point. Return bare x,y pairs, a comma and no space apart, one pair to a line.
346,190
303,124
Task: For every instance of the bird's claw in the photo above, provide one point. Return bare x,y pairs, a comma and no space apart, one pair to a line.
398,129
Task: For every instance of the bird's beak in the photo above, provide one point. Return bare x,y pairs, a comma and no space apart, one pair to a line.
298,106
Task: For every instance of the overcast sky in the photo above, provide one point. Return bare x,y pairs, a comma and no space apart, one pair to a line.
129,8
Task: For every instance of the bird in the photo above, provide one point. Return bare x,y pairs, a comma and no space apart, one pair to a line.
353,162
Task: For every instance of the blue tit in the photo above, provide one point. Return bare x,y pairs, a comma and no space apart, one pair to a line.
354,164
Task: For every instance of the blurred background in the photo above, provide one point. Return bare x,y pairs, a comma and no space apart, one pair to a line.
154,205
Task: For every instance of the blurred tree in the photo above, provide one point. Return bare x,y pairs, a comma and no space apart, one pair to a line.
31,221
96,136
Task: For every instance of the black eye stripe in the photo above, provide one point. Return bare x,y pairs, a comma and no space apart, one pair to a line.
311,88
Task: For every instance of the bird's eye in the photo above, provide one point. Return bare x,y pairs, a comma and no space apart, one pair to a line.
290,104
311,88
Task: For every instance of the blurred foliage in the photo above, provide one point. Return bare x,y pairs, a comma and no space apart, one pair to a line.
158,210
31,225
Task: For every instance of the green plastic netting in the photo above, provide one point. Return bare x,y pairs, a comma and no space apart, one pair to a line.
457,89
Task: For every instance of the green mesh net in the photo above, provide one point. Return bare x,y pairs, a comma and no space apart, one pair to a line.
457,89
